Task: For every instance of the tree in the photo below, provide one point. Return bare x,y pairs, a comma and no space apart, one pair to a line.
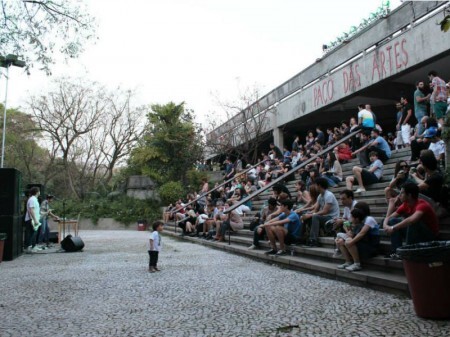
22,150
36,30
88,131
246,127
171,146
66,115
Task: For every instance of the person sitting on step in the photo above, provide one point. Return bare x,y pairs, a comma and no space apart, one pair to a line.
326,208
231,221
432,182
401,177
376,144
259,232
365,241
286,228
366,177
415,220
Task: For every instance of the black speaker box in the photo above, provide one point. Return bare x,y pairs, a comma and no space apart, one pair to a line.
72,243
12,226
53,237
10,189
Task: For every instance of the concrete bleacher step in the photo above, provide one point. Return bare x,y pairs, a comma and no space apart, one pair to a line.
386,278
326,251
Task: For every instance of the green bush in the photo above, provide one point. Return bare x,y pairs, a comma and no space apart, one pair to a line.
170,192
123,209
194,179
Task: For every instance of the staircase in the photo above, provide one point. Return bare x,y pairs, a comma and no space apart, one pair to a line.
378,273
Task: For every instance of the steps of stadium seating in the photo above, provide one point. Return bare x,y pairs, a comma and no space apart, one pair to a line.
378,272
386,275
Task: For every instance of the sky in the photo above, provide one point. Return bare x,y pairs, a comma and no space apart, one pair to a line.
199,51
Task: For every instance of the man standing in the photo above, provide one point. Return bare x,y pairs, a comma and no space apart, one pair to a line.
420,105
407,120
275,152
229,170
439,96
320,138
414,220
399,138
32,220
326,208
45,212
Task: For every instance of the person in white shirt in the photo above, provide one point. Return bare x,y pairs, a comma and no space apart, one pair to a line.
366,177
154,246
32,220
436,144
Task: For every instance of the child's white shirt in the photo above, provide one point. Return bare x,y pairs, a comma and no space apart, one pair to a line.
156,238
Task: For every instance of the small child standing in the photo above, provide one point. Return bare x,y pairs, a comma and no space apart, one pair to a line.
155,245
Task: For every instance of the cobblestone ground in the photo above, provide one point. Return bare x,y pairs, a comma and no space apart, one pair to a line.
106,290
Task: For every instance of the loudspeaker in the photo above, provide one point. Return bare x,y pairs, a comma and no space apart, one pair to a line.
53,237
10,187
12,226
72,243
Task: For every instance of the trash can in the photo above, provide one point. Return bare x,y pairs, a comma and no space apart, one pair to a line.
3,238
141,226
427,269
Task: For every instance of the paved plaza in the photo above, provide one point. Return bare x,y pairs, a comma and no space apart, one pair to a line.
106,290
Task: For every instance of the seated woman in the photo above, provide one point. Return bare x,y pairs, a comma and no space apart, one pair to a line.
431,185
231,221
365,241
401,176
303,197
268,179
188,223
313,195
168,213
334,175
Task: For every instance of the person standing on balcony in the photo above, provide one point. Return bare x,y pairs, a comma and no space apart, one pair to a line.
275,152
438,96
420,105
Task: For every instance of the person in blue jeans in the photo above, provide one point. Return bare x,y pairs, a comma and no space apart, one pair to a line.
45,212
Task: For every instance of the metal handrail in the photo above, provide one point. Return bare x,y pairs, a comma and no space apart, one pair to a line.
217,187
293,170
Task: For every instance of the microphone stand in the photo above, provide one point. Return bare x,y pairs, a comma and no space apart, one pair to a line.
64,219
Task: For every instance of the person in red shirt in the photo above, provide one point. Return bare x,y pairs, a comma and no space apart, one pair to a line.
414,220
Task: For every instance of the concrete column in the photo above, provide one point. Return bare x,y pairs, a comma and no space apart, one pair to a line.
278,139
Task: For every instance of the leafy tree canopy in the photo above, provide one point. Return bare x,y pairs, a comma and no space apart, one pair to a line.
171,146
36,30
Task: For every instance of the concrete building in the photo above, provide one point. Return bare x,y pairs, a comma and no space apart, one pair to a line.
375,66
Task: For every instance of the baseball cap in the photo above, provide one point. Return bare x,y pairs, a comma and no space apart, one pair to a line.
430,132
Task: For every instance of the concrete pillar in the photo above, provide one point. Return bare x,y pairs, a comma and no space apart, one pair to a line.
278,139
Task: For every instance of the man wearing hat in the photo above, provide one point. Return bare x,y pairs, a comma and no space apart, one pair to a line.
436,144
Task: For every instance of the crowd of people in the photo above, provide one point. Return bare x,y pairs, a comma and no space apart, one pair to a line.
414,194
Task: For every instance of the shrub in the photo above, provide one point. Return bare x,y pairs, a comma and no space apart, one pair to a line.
170,192
123,209
194,179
